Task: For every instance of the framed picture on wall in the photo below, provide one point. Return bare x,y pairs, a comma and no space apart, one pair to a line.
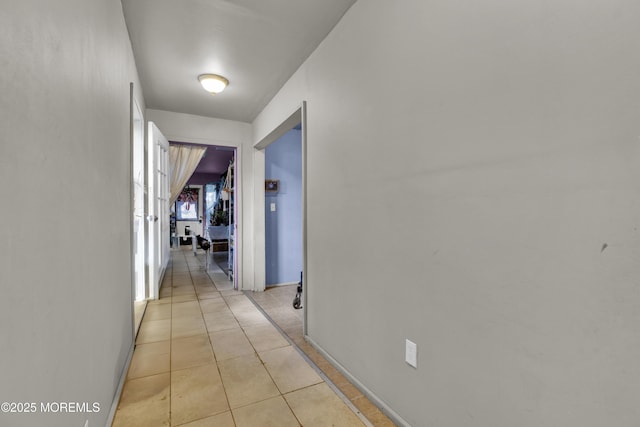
187,205
271,185
186,211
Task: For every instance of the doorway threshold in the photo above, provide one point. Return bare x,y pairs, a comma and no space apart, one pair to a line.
366,411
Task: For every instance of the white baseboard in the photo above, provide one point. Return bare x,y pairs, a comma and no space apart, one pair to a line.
118,393
397,419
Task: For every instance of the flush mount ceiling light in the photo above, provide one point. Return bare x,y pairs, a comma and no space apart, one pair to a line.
213,83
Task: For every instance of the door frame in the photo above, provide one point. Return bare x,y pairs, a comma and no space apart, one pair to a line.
157,220
138,301
142,287
299,116
238,194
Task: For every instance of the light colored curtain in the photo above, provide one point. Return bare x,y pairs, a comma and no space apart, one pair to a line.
183,160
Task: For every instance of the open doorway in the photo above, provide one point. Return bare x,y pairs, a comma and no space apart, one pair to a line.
270,255
283,209
206,209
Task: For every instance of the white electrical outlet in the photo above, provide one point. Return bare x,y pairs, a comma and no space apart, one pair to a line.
411,353
273,207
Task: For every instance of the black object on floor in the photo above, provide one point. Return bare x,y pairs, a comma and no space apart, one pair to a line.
203,243
297,304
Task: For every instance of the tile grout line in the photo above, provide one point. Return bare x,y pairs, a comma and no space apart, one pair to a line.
269,373
171,346
310,362
281,394
209,336
215,359
326,379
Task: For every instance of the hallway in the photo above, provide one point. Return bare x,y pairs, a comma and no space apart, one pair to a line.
206,356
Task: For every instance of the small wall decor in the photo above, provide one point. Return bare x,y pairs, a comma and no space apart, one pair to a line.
271,185
188,194
187,205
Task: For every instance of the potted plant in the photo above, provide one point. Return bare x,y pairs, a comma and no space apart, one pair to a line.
220,217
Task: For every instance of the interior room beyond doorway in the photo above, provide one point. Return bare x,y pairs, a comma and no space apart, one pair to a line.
283,209
205,207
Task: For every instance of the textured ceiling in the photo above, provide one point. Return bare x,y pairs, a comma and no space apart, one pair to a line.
256,44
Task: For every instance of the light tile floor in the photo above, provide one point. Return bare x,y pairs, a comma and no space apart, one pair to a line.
206,356
277,303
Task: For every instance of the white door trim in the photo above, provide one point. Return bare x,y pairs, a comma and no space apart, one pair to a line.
238,194
158,213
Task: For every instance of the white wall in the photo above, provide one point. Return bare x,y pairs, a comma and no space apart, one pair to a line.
65,262
204,130
479,165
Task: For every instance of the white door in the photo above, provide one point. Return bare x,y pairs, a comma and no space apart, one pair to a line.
140,292
158,202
